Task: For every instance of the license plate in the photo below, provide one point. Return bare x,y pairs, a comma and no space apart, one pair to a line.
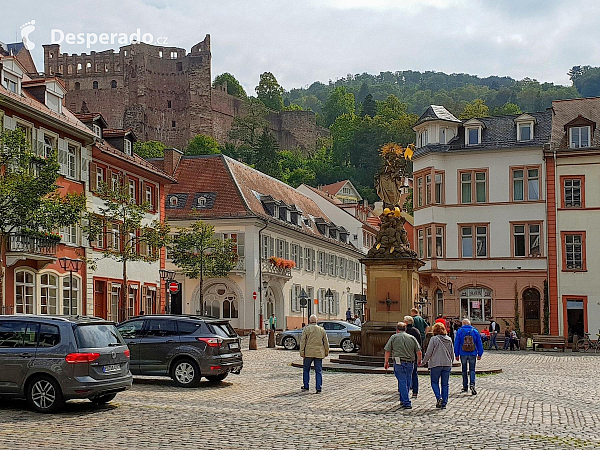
234,346
112,368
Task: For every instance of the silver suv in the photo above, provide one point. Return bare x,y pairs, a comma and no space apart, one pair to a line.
50,359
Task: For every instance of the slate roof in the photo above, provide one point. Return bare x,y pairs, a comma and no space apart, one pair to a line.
238,189
566,111
435,112
498,132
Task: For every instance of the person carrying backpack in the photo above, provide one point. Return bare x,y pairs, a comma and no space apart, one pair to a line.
468,348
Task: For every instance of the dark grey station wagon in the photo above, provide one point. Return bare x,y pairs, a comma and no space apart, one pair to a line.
50,359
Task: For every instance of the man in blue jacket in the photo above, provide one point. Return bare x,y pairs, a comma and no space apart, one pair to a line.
468,348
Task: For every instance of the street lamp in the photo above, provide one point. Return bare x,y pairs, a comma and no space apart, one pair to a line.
167,276
261,316
70,265
329,298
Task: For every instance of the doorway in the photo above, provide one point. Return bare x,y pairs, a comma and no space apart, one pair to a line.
100,299
177,302
575,318
531,305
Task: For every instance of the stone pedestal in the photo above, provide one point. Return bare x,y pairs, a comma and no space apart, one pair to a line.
392,290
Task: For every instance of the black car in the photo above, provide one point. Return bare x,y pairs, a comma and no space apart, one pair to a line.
185,348
50,359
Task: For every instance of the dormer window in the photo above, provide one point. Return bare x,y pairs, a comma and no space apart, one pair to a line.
173,201
97,131
11,85
472,136
579,137
127,147
201,202
276,211
424,138
524,132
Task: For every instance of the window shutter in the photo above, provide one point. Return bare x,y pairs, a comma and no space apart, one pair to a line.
337,303
292,306
300,256
39,144
143,300
92,177
83,167
271,246
241,244
63,156
286,246
143,192
9,123
156,201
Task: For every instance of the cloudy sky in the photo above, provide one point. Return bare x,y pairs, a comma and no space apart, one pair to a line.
301,41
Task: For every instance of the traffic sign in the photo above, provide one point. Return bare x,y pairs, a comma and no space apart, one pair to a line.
303,302
174,287
254,295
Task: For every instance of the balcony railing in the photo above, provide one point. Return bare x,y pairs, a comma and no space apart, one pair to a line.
240,266
268,268
37,245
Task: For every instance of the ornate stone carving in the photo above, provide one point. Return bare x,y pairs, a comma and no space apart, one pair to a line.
392,239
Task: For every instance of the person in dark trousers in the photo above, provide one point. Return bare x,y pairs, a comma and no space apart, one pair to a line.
419,322
410,329
439,360
468,348
494,332
506,338
348,315
314,346
402,347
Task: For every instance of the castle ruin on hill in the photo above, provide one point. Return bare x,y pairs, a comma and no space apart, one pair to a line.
165,94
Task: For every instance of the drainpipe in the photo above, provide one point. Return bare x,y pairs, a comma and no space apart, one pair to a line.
556,237
260,289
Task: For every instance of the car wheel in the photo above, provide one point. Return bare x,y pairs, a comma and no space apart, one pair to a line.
102,399
44,395
347,345
289,343
219,377
186,373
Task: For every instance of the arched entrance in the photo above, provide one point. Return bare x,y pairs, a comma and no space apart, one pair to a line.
531,306
220,300
274,305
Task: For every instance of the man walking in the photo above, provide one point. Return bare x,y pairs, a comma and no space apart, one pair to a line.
348,315
404,348
419,322
468,348
410,329
494,331
272,322
314,346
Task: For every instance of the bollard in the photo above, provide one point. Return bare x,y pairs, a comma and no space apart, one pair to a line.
271,343
252,344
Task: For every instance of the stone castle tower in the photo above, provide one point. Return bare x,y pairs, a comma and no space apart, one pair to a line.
164,94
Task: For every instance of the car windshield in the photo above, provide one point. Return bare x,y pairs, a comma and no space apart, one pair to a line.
97,336
222,329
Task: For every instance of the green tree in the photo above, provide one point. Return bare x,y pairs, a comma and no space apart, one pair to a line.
266,154
233,85
246,128
408,203
149,149
293,107
369,106
30,202
202,144
339,102
200,254
362,93
507,108
477,108
270,92
137,240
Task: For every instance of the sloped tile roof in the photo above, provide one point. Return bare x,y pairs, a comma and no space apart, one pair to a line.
435,112
336,201
334,188
567,110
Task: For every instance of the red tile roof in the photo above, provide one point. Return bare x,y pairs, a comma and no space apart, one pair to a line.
333,189
238,188
113,132
90,117
336,201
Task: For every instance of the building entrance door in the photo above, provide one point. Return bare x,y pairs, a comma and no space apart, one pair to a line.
100,299
531,305
575,324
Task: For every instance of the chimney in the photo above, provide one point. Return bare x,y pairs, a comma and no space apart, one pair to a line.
172,158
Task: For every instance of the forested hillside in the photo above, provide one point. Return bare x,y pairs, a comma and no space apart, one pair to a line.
418,90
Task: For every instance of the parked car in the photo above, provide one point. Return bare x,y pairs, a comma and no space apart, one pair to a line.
338,334
50,359
186,348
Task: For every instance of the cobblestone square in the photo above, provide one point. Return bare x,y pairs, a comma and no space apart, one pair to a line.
545,400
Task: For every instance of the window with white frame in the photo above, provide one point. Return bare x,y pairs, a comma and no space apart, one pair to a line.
69,235
526,183
476,304
48,293
238,240
428,189
115,243
579,137
71,161
99,176
49,146
572,188
24,291
322,263
295,255
574,251
421,242
473,135
148,194
132,189
525,131
439,242
309,259
114,181
97,130
70,305
127,146
424,138
332,264
439,298
295,297
473,241
428,244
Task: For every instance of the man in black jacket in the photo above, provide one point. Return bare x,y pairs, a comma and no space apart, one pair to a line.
494,331
410,329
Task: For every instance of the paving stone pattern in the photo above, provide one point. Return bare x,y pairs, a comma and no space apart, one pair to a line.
541,401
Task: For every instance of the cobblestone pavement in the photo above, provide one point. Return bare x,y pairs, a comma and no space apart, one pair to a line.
541,401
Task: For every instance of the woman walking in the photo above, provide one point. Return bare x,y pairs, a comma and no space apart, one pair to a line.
439,356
